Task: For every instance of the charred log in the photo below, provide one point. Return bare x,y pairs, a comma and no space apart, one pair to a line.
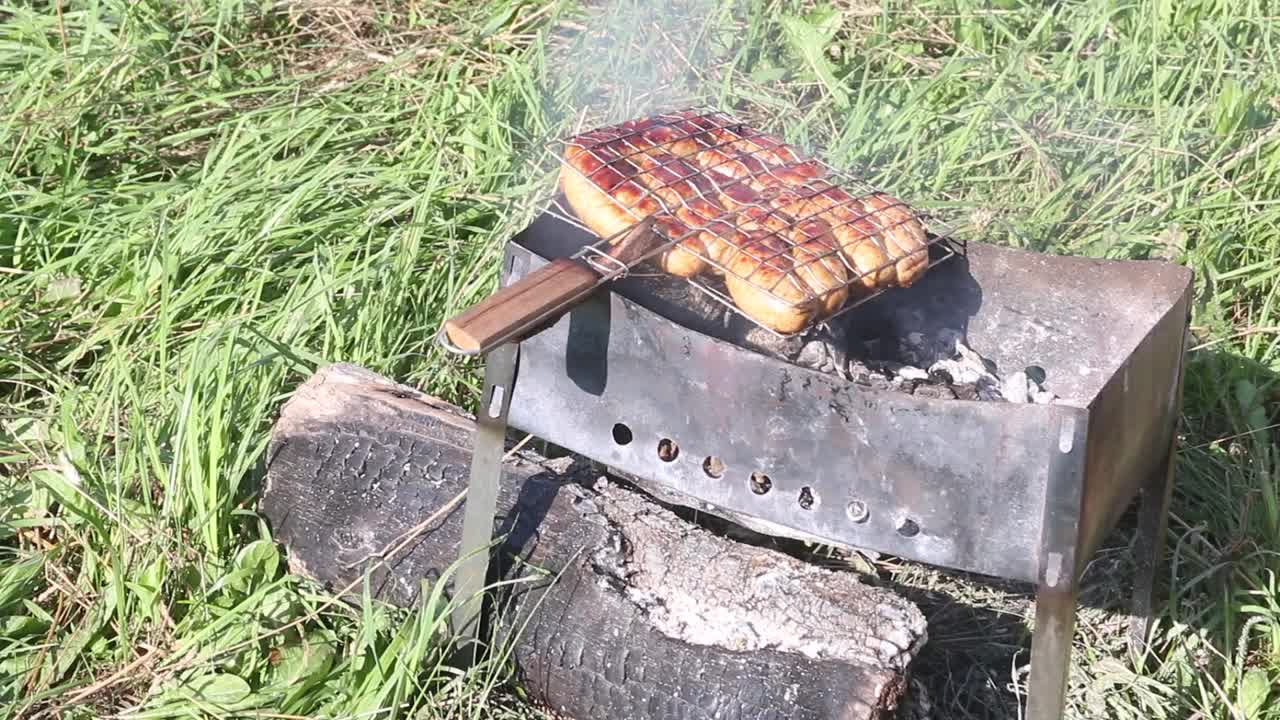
621,610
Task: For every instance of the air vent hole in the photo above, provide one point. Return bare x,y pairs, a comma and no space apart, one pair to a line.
668,450
760,483
713,467
807,499
908,528
622,434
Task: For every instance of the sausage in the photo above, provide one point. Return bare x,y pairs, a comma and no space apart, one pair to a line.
791,246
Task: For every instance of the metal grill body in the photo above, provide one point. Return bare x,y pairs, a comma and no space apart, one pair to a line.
1026,492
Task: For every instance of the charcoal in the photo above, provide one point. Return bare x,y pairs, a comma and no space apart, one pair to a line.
937,364
941,376
958,373
823,356
870,377
862,374
936,392
1036,374
989,392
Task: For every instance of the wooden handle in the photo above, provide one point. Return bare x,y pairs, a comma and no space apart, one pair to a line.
521,304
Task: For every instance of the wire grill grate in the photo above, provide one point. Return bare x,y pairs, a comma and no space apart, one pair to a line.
744,217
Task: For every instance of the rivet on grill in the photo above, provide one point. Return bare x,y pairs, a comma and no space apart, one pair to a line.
713,467
760,483
807,499
622,434
908,528
858,511
667,450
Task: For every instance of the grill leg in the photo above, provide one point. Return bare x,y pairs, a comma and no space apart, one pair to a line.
1051,651
1149,545
1153,521
482,496
1058,590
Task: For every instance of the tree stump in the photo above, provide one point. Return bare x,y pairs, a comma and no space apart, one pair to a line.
615,607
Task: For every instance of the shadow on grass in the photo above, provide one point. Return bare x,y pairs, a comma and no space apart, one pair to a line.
975,663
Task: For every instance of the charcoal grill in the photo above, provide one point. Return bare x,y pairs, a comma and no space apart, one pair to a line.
695,406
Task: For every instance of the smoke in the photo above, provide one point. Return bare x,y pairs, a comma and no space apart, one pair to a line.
612,61
629,58
1086,171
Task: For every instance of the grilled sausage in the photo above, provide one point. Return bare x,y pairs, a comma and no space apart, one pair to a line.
609,197
744,205
785,285
881,238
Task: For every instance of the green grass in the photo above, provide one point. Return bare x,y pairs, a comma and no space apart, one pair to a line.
201,202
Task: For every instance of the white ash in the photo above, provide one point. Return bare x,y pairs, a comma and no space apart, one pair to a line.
1016,388
560,465
1043,397
966,367
753,601
908,372
942,367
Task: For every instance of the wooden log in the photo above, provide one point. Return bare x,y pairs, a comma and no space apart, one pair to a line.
623,610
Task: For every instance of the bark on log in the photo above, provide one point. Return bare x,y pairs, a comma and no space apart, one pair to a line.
649,617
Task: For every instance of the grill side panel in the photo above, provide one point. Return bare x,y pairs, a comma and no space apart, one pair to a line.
1133,422
951,483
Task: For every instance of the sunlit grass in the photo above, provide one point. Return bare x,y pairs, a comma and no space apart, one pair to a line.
203,202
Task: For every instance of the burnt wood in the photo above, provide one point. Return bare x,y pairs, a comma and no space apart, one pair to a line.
617,607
